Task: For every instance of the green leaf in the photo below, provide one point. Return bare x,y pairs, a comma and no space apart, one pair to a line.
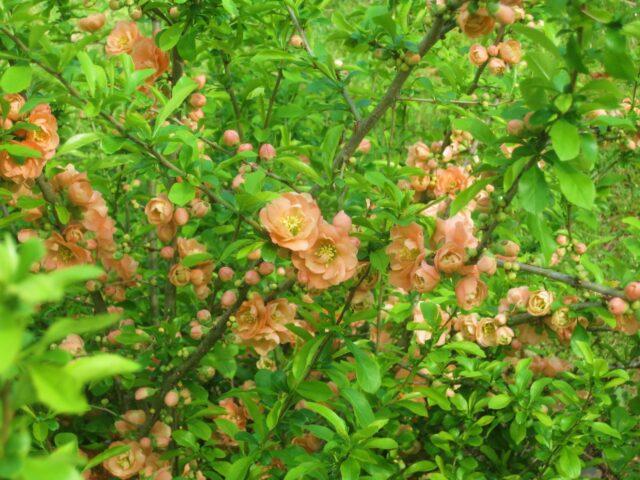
97,367
565,139
533,192
200,429
180,92
360,404
350,469
330,416
475,127
606,429
465,347
538,38
106,455
576,186
499,401
230,7
465,196
182,193
169,37
367,368
63,327
88,68
19,150
15,79
57,389
78,141
568,463
10,340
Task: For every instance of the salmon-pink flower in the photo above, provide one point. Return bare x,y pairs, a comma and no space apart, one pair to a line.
127,464
308,441
16,102
331,260
617,306
230,138
632,291
364,146
458,230
539,303
179,275
450,180
487,264
73,344
267,152
161,433
475,24
470,292
92,23
510,51
418,156
253,325
422,336
406,251
450,258
487,332
425,278
27,169
292,221
478,54
497,66
46,135
146,54
122,38
61,253
159,210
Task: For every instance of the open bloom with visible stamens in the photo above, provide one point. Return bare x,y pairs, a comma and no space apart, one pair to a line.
406,252
331,260
292,221
122,38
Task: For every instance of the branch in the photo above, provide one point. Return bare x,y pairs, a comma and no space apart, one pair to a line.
525,317
568,279
438,29
272,99
228,86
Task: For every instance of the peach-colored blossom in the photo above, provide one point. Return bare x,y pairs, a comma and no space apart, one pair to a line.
487,264
497,66
73,344
251,277
189,246
617,306
406,251
131,420
92,23
450,180
475,24
266,152
331,260
487,332
81,193
61,253
16,102
161,433
470,292
46,135
146,54
292,221
539,303
458,230
27,169
253,325
504,335
308,441
627,324
549,366
127,464
478,54
510,51
159,210
466,325
364,146
632,291
122,38
505,14
179,275
450,258
425,278
419,155
230,138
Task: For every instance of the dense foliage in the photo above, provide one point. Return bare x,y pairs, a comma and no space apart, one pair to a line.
319,239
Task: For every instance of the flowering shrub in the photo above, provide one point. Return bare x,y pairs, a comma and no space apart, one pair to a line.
325,240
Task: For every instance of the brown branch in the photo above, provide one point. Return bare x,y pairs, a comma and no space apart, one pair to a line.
568,279
272,99
438,29
228,86
525,317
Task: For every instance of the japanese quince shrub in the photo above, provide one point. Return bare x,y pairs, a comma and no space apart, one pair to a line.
324,240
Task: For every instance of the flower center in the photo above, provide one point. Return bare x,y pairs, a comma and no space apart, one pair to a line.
65,254
293,223
327,252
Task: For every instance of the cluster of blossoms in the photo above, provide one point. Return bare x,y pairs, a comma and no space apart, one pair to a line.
323,253
126,38
478,21
264,326
199,275
35,133
167,218
143,457
197,101
266,152
497,57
